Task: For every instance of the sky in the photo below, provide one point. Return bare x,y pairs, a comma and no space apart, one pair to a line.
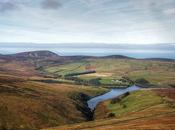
88,21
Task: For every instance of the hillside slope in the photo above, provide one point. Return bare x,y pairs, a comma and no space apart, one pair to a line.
145,110
31,105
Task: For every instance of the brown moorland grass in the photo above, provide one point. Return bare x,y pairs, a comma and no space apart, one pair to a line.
26,104
31,105
18,68
160,116
156,122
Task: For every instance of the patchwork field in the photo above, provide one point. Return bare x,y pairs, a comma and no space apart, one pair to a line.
161,73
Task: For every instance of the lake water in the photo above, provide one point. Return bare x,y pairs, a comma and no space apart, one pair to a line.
113,93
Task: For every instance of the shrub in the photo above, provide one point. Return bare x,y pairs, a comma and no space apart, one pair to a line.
126,94
111,115
124,106
142,81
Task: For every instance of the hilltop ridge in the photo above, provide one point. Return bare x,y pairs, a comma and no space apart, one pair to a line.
42,54
35,54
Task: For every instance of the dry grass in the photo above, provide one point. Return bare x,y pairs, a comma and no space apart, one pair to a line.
29,105
26,104
160,116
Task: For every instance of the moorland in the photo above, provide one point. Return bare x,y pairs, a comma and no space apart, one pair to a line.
42,90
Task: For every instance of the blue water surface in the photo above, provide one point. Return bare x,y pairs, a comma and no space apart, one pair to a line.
113,93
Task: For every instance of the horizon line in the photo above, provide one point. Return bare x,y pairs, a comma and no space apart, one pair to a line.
114,43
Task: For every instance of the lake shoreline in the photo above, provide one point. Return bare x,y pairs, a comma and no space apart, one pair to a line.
93,102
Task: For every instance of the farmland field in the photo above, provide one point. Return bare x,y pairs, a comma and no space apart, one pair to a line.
156,72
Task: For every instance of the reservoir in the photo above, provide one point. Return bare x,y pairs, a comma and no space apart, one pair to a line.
109,95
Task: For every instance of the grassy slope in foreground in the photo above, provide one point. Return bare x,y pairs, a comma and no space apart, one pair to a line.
32,105
132,103
145,109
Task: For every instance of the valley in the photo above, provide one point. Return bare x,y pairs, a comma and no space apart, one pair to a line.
143,109
42,90
87,64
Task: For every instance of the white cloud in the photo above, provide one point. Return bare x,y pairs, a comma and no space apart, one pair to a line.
116,21
170,12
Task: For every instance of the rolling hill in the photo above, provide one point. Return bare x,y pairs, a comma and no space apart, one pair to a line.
35,92
35,54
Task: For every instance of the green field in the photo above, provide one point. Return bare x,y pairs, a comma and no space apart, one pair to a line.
160,73
67,68
136,101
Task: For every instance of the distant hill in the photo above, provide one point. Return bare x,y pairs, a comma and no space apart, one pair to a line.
27,63
79,57
35,54
118,57
49,54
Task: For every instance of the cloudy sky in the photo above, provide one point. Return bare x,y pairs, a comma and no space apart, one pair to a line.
100,21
